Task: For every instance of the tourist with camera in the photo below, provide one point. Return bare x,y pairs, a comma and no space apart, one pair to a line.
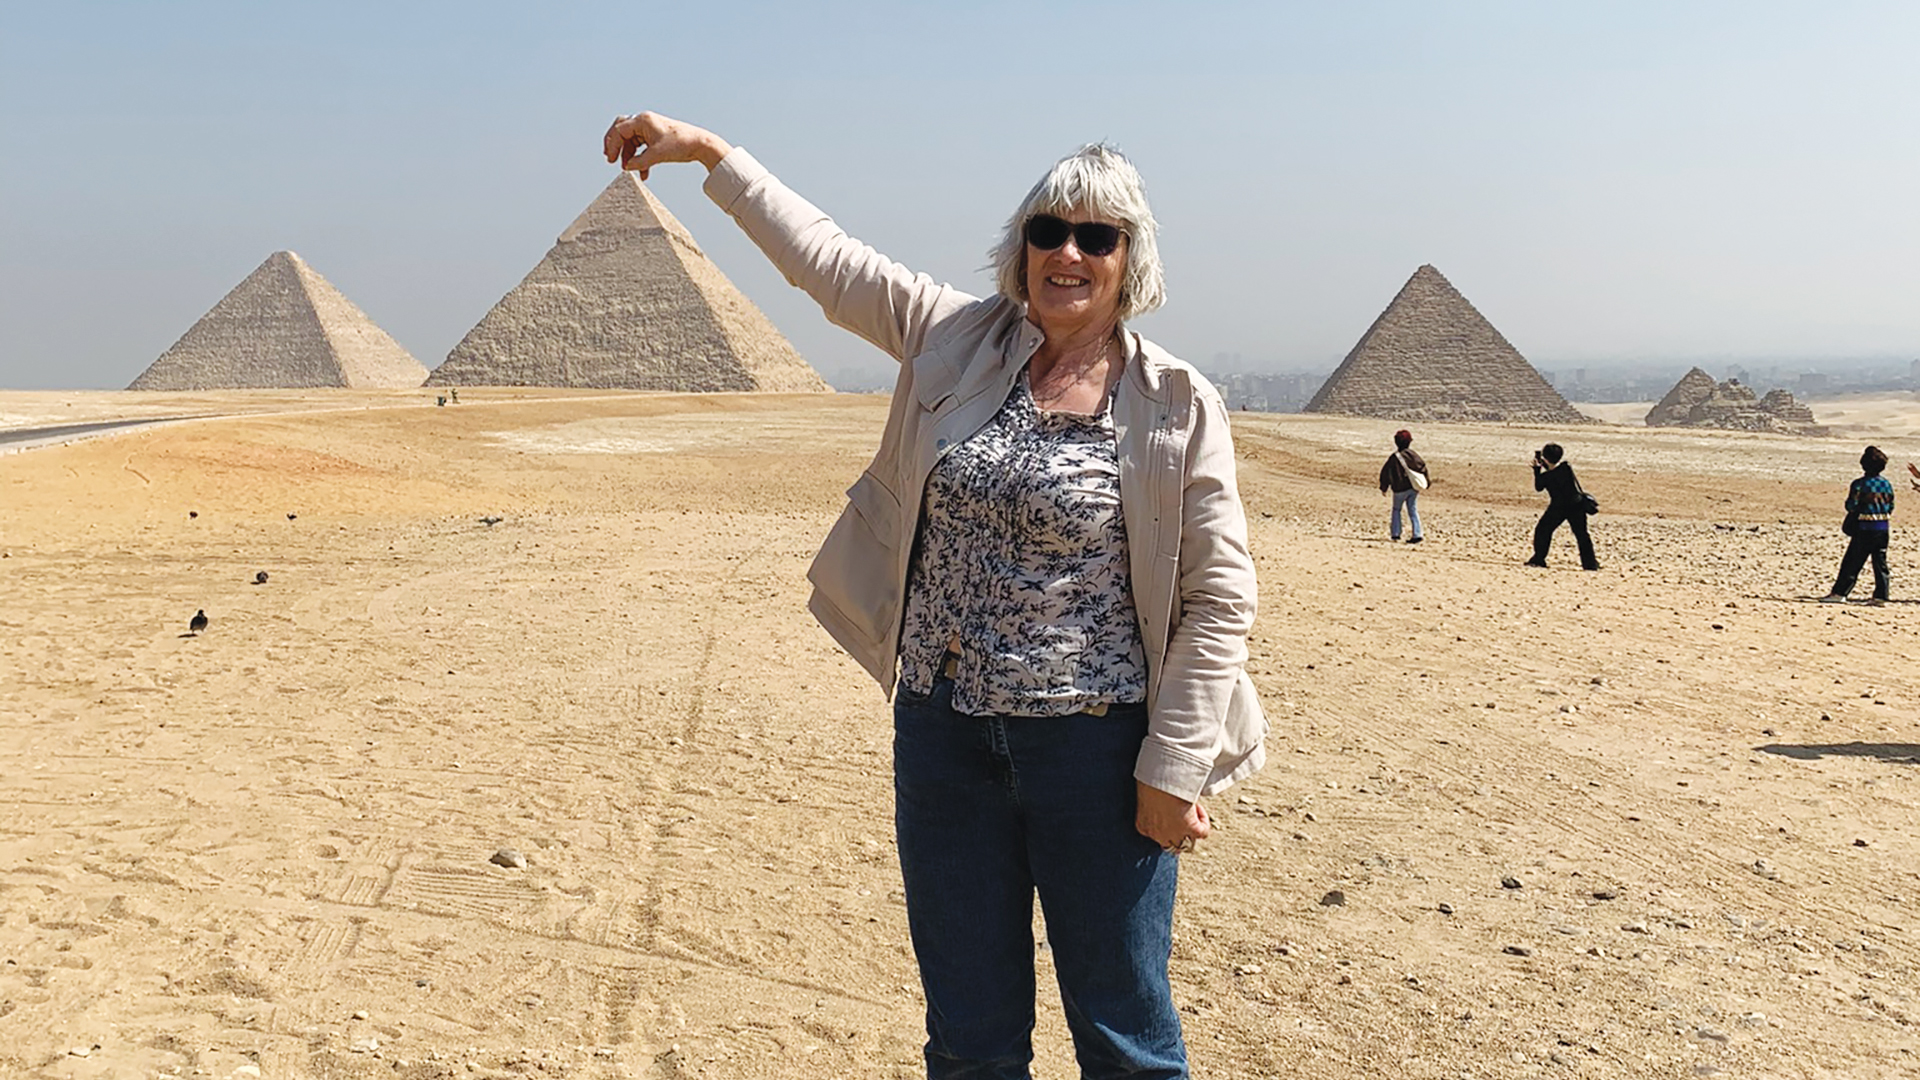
1566,502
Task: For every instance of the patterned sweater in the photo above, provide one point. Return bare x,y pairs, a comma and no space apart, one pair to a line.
1870,501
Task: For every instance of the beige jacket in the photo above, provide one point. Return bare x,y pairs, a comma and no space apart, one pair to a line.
1193,579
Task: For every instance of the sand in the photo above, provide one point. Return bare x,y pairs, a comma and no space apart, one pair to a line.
265,850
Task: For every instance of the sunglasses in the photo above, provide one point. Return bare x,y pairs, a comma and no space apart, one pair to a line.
1046,232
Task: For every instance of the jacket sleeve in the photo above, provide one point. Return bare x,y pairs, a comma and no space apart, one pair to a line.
858,288
1853,497
1539,478
1386,474
1217,600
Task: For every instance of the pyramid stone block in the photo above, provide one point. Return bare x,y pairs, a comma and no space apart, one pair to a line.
626,300
283,327
1431,356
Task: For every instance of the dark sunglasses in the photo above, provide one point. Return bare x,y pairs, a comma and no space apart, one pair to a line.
1046,232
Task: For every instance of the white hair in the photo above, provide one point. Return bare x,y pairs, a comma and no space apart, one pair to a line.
1097,179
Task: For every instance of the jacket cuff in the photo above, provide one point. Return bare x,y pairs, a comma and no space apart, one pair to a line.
730,179
1173,771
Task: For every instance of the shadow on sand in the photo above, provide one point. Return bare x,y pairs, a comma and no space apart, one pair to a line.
1901,753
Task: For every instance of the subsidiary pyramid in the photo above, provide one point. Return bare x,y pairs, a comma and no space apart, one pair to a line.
283,327
1693,388
1431,356
626,300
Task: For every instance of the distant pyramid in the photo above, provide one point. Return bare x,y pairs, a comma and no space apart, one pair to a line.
283,327
1693,388
627,300
1431,356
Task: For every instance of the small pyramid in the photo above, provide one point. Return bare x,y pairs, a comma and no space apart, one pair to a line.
283,327
1694,387
1431,356
626,300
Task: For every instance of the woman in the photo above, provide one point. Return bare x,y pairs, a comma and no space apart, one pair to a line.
1396,478
1048,553
1565,502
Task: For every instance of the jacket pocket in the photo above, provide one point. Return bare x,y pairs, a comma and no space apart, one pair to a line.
856,567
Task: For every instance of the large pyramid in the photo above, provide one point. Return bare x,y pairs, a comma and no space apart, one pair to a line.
627,300
284,326
1431,356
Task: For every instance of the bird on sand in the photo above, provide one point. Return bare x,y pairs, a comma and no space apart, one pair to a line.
197,623
290,517
260,578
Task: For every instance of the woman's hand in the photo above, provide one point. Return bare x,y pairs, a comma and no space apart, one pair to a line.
640,142
1168,820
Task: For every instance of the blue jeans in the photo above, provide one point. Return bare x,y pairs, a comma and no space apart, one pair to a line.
990,810
1408,498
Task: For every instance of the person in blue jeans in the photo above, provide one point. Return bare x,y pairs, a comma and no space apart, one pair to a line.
1869,519
1396,478
1047,563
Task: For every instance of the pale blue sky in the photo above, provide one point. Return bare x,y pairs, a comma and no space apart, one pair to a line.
1605,181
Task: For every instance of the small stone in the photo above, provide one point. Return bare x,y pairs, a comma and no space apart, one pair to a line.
1636,928
245,1072
359,1014
1334,898
1707,1034
1765,869
1859,842
1246,969
80,1051
421,982
1517,950
1509,882
1753,1019
1569,708
1605,894
509,858
364,1046
1598,680
1446,909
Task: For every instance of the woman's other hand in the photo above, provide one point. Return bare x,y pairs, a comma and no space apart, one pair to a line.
1168,820
647,139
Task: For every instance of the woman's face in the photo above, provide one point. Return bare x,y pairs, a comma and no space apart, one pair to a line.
1066,287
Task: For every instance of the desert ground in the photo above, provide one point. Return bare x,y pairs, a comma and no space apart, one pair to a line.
265,850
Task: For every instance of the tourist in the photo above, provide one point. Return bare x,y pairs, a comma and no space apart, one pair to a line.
1404,476
1869,517
1566,501
1049,554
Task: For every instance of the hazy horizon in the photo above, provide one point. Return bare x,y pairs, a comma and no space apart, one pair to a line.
1640,184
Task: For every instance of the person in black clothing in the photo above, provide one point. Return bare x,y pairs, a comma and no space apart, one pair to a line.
1565,502
1396,479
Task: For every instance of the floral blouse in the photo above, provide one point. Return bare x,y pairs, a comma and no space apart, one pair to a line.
1021,560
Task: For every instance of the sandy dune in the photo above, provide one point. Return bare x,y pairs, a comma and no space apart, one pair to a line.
264,850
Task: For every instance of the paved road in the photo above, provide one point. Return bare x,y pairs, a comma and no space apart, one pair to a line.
62,431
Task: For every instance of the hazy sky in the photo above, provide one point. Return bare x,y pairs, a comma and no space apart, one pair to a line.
1605,180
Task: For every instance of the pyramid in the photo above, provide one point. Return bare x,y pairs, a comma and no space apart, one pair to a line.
1431,356
283,327
1693,388
626,300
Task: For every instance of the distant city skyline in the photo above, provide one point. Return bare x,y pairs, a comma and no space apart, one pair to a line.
1631,183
